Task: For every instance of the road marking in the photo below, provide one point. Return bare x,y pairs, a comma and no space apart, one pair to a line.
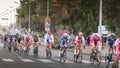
67,61
103,61
86,61
46,61
27,60
8,60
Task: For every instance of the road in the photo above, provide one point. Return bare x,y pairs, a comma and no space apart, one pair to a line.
14,60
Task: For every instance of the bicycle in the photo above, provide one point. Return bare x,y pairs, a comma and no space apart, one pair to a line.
109,58
77,56
35,50
10,46
27,49
49,53
95,55
63,55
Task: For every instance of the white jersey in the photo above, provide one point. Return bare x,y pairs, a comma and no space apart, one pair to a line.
49,38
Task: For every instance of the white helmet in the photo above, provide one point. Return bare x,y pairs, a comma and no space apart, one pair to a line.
65,34
80,33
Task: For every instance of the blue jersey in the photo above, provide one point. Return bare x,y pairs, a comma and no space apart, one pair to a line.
111,42
63,41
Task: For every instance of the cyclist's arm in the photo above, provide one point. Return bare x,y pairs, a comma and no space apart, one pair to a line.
106,44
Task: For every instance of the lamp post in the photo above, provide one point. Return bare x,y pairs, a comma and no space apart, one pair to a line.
47,8
20,13
100,21
29,16
47,20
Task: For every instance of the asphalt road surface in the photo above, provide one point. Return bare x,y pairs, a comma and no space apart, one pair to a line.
14,60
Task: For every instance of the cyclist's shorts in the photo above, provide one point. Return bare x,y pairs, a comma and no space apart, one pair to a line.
111,45
63,44
48,41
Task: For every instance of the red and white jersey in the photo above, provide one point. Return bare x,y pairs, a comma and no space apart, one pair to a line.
117,47
117,43
78,40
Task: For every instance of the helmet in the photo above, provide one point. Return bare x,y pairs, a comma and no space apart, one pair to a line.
80,33
65,34
112,35
95,34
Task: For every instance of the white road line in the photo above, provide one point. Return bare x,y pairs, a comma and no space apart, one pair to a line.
27,60
103,61
46,61
8,60
86,61
67,61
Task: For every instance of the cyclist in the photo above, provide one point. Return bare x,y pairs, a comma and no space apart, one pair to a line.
116,49
35,45
110,44
63,42
27,44
19,43
49,41
79,41
95,41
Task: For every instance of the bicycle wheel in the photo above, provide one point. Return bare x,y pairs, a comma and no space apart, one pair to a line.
80,58
92,59
61,57
75,58
64,58
107,62
49,54
99,58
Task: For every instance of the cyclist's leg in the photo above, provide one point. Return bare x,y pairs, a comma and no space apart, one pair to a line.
116,58
93,47
107,52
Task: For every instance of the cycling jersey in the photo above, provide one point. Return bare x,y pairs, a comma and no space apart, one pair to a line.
63,41
27,40
117,47
78,40
49,39
94,40
111,42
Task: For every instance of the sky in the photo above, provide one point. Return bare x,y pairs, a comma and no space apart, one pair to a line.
5,10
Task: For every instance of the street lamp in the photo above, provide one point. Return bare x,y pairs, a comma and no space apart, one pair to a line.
20,12
29,16
100,21
47,20
47,8
14,9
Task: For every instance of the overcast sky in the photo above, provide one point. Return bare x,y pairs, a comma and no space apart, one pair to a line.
5,11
